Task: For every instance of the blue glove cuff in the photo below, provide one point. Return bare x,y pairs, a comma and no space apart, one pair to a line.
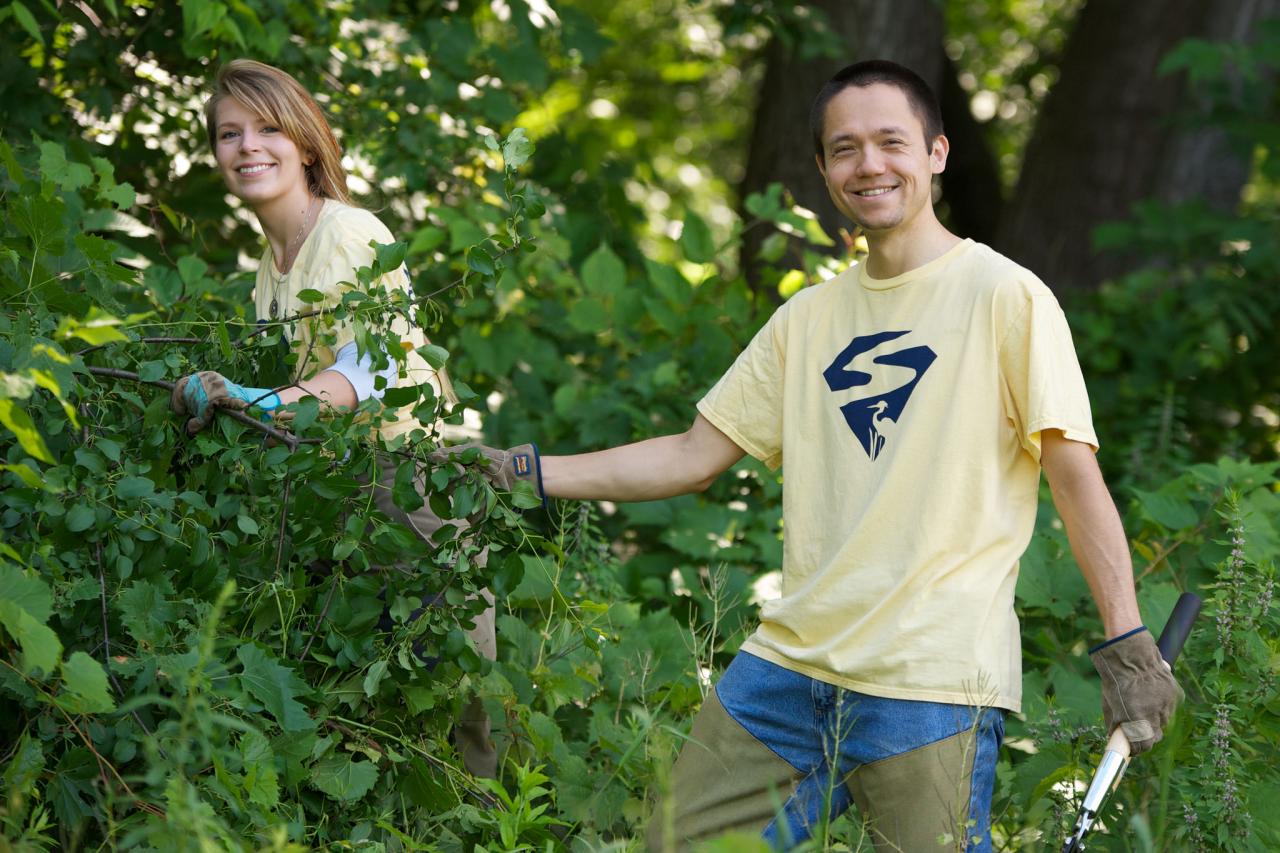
1123,636
264,398
537,458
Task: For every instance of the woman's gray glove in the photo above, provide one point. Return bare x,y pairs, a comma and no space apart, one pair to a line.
1139,692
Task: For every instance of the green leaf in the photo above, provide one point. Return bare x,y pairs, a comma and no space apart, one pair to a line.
275,686
130,488
247,524
1169,511
310,295
86,681
406,395
344,779
25,768
96,328
525,496
404,490
164,283
29,476
589,315
695,240
29,594
17,420
26,20
191,269
150,371
517,149
261,781
436,356
55,166
122,196
374,677
80,517
603,272
11,164
478,259
145,612
390,256
426,239
344,547
224,340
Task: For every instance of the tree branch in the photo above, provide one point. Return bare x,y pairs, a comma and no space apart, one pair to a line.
286,438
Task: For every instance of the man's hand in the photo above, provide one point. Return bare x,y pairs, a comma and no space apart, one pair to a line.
503,468
199,395
1138,691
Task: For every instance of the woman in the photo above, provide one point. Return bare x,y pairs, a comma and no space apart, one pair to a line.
277,153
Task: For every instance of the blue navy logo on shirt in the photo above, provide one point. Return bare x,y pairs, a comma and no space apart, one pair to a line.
872,418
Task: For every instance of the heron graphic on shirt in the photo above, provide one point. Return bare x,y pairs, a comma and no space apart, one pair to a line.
880,424
873,419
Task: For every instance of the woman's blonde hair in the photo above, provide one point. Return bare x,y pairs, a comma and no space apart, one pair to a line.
276,97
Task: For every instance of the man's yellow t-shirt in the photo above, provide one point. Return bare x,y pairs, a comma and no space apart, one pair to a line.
908,413
327,261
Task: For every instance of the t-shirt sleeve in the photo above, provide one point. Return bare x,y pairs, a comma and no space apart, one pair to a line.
746,404
1044,388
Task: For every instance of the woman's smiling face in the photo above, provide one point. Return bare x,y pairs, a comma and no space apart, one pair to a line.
258,162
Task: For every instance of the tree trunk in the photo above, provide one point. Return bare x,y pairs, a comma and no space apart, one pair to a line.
780,148
1107,136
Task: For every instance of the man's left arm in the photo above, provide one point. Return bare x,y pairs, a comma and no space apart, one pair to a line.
1138,691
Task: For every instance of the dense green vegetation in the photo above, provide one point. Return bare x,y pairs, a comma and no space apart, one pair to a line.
190,648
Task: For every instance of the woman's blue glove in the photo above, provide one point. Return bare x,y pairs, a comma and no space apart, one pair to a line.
200,394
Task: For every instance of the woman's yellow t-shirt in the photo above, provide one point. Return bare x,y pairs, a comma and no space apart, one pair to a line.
327,261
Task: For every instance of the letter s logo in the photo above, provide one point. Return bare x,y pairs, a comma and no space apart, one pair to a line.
871,418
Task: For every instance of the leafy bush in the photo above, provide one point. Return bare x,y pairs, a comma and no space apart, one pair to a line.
204,643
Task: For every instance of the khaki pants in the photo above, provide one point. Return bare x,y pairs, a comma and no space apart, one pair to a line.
773,752
471,734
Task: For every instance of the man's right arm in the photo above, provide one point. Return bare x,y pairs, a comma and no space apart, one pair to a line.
646,470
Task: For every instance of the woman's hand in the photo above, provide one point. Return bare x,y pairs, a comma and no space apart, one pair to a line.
199,395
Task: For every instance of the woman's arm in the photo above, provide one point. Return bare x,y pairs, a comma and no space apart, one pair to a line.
330,387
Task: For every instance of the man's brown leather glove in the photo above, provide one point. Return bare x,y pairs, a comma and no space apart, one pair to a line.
1138,691
503,468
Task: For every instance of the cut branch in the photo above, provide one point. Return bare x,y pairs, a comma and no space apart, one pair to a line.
286,438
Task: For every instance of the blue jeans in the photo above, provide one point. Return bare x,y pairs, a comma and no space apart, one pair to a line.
885,753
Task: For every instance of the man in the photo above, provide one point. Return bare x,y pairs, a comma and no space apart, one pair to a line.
914,399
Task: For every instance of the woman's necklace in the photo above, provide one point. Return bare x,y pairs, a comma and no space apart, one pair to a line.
290,251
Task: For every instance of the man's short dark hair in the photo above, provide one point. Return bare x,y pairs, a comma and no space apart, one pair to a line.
921,98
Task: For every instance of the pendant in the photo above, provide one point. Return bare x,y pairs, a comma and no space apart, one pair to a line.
274,310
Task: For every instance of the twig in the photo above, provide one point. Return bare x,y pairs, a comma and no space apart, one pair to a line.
354,735
475,790
324,611
160,340
264,328
284,517
286,438
106,642
103,764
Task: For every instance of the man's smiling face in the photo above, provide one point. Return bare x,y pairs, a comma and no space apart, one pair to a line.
876,162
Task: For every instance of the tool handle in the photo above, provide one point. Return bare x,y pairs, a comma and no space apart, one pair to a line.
1119,744
1179,626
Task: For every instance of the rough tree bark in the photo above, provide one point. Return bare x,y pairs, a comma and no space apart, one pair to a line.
1108,136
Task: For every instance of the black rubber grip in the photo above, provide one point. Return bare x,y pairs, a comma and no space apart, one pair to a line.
1179,626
